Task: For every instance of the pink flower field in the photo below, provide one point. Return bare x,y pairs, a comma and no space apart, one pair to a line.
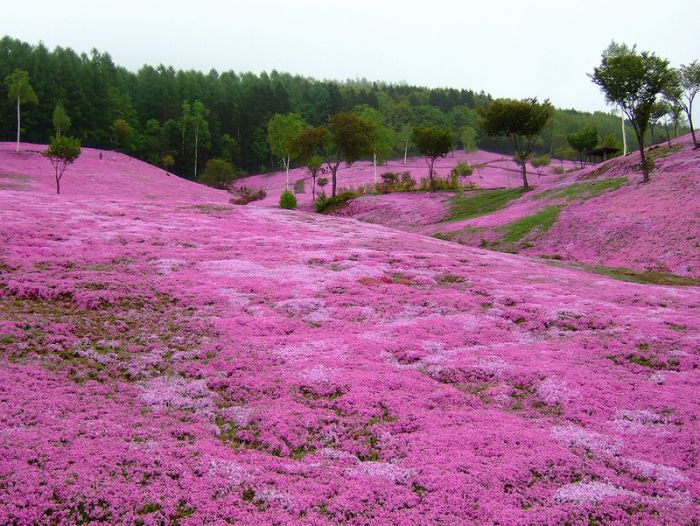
169,358
491,170
651,227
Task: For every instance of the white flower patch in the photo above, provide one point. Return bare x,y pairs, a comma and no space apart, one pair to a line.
590,492
658,472
167,266
636,420
577,437
239,415
553,391
172,392
382,470
227,469
275,497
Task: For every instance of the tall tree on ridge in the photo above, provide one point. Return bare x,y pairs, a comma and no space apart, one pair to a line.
633,80
19,89
521,121
688,86
281,132
380,136
60,119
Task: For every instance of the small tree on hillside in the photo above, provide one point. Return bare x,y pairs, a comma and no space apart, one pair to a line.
583,141
61,121
432,142
404,135
633,80
281,132
19,89
313,165
521,121
62,152
123,134
468,137
687,87
380,137
167,162
218,174
659,115
346,138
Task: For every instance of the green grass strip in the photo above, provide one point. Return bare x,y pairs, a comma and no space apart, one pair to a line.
466,205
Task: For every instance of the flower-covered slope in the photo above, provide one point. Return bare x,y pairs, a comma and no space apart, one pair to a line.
645,227
174,362
97,173
491,170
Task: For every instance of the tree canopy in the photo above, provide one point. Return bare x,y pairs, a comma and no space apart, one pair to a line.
432,142
521,121
583,141
282,130
633,80
62,152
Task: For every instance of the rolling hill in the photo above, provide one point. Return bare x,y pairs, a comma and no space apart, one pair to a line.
169,358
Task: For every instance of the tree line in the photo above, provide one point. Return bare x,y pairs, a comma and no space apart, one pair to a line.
182,119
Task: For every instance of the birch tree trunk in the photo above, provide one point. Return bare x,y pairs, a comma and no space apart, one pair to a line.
286,168
18,125
196,142
624,134
374,164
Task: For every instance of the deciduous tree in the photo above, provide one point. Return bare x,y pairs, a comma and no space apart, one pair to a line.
687,87
432,142
583,141
522,121
380,136
61,121
281,132
633,80
346,138
19,90
62,152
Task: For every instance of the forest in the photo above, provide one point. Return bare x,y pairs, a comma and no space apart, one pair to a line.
190,117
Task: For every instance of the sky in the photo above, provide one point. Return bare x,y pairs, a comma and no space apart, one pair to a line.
508,48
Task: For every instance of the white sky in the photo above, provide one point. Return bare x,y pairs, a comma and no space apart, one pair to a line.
509,48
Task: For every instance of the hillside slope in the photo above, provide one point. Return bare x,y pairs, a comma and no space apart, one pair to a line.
491,170
600,215
177,362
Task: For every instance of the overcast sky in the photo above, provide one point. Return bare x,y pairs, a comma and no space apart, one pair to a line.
508,48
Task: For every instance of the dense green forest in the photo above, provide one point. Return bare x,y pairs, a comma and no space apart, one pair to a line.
159,111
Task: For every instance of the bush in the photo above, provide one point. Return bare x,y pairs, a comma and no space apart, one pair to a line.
559,170
288,201
540,161
218,174
329,204
299,186
462,169
248,196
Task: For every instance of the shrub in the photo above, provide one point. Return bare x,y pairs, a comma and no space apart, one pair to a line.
322,181
218,174
462,169
540,161
408,183
288,201
390,178
248,196
559,170
329,204
299,186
